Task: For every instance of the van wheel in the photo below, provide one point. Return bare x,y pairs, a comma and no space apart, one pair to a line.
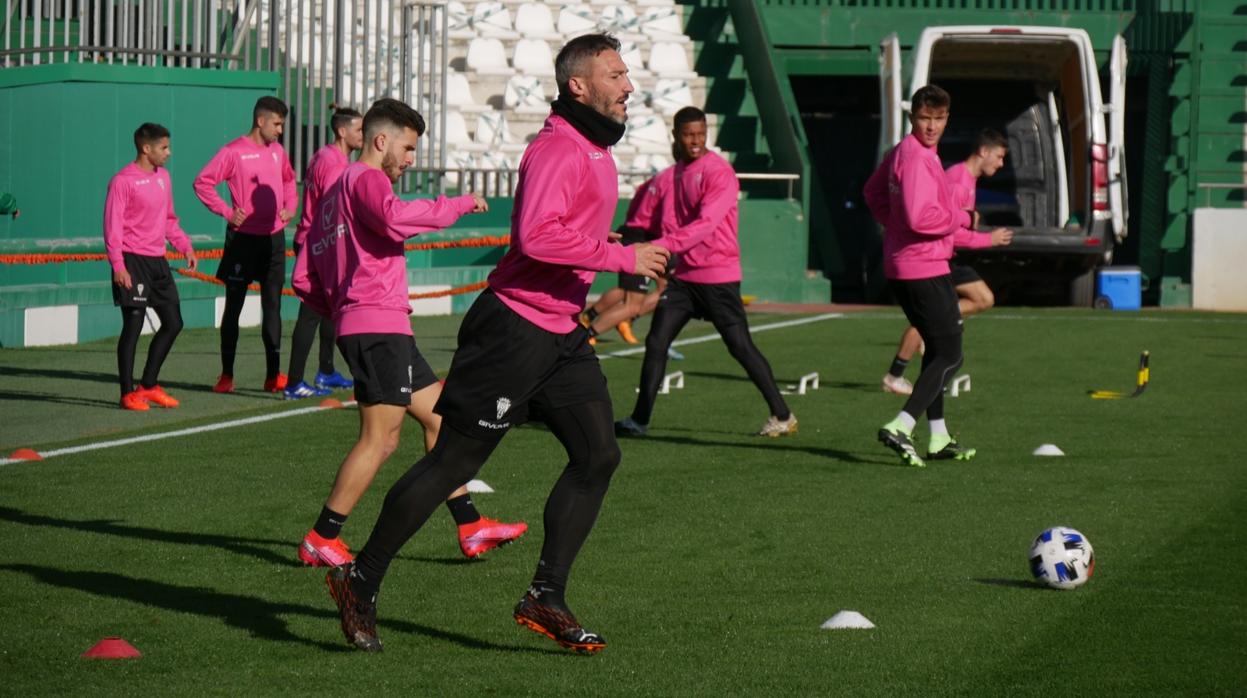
1103,303
1082,289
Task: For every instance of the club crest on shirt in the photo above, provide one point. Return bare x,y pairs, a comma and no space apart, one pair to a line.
595,155
161,184
328,208
503,405
140,288
274,154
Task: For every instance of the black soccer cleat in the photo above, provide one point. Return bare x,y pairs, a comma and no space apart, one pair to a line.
952,451
359,617
556,623
900,442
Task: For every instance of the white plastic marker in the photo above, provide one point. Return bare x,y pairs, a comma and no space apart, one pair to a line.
961,384
479,486
672,380
808,382
847,620
711,337
1048,450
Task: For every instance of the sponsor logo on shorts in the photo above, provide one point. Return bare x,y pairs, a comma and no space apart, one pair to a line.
407,388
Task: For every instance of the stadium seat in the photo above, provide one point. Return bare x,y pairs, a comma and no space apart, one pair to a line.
457,137
663,24
619,19
458,21
669,60
526,95
649,134
533,20
630,51
459,93
669,96
650,164
575,20
493,19
636,104
487,57
456,162
493,133
533,57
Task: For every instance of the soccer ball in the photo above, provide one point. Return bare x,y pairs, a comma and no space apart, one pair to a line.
1062,558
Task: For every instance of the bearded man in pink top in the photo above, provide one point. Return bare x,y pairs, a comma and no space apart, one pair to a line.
699,223
522,352
909,197
138,219
263,199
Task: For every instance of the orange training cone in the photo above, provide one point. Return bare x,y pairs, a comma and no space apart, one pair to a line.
112,648
25,454
331,403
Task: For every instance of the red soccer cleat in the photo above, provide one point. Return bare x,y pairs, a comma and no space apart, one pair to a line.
275,385
158,396
224,384
134,401
318,551
486,534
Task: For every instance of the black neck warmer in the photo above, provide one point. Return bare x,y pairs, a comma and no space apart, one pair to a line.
601,130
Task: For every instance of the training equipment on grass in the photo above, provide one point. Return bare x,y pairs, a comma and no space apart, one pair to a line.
479,486
1140,383
25,454
1062,558
807,382
847,620
960,384
112,648
1048,450
672,380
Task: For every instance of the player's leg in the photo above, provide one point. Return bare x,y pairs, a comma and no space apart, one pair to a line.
132,319
651,299
725,309
235,295
300,346
326,375
170,316
943,358
671,315
270,312
975,297
620,313
894,380
604,302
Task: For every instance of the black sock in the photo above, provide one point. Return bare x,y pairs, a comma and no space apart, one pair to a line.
363,586
329,525
592,332
463,510
898,367
549,591
592,314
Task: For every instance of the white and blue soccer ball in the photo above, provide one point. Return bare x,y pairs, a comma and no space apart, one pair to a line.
1062,558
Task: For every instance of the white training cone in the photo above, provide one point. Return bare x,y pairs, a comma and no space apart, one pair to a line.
1048,450
479,486
847,620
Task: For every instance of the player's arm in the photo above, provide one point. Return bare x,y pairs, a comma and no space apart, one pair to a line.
290,191
219,168
307,284
114,229
722,190
878,200
174,233
970,240
924,202
382,211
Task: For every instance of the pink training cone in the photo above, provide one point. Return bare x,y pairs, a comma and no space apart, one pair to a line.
25,454
112,648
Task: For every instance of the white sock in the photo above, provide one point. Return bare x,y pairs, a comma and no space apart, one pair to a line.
938,427
908,421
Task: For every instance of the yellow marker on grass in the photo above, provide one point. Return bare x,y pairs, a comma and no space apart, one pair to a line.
1140,383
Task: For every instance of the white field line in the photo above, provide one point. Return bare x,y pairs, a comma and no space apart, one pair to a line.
308,410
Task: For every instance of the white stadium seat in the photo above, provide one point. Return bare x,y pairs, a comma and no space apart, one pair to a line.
669,96
669,60
663,24
649,134
493,19
533,57
458,21
630,52
535,21
459,93
487,57
575,20
619,19
526,95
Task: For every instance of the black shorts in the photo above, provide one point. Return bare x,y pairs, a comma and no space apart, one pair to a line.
633,282
718,303
930,305
387,367
250,258
151,283
506,365
963,274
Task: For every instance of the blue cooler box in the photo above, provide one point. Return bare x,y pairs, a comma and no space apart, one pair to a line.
1119,288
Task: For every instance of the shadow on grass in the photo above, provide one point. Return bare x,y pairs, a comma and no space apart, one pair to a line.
94,377
257,616
1028,584
27,396
762,444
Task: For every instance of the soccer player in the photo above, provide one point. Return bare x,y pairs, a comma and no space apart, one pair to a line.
520,347
138,219
632,297
322,171
262,191
909,196
699,222
353,268
974,295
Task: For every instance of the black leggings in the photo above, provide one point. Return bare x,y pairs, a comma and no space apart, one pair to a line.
586,432
940,362
127,344
301,343
270,330
666,326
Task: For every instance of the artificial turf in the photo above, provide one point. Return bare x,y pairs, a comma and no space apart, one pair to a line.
717,555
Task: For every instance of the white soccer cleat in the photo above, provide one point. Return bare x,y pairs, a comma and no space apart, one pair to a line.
897,385
776,427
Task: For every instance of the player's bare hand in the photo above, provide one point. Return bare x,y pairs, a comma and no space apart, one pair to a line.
192,262
479,204
1001,237
612,236
237,217
651,260
285,215
122,279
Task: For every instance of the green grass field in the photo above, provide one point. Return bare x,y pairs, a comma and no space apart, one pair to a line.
717,555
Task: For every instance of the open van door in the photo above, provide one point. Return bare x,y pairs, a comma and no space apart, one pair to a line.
890,103
1117,138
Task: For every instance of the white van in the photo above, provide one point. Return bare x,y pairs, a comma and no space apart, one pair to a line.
1062,189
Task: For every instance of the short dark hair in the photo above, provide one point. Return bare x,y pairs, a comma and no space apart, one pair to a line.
571,59
388,112
342,118
149,133
268,105
990,138
687,115
931,96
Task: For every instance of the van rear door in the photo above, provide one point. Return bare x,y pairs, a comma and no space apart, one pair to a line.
1117,138
891,104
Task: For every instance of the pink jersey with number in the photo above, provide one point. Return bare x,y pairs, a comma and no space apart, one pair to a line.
322,171
260,182
353,267
139,217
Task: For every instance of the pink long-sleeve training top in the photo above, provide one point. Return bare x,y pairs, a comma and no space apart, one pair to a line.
352,266
961,186
907,194
645,211
260,181
139,217
564,203
323,170
700,220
